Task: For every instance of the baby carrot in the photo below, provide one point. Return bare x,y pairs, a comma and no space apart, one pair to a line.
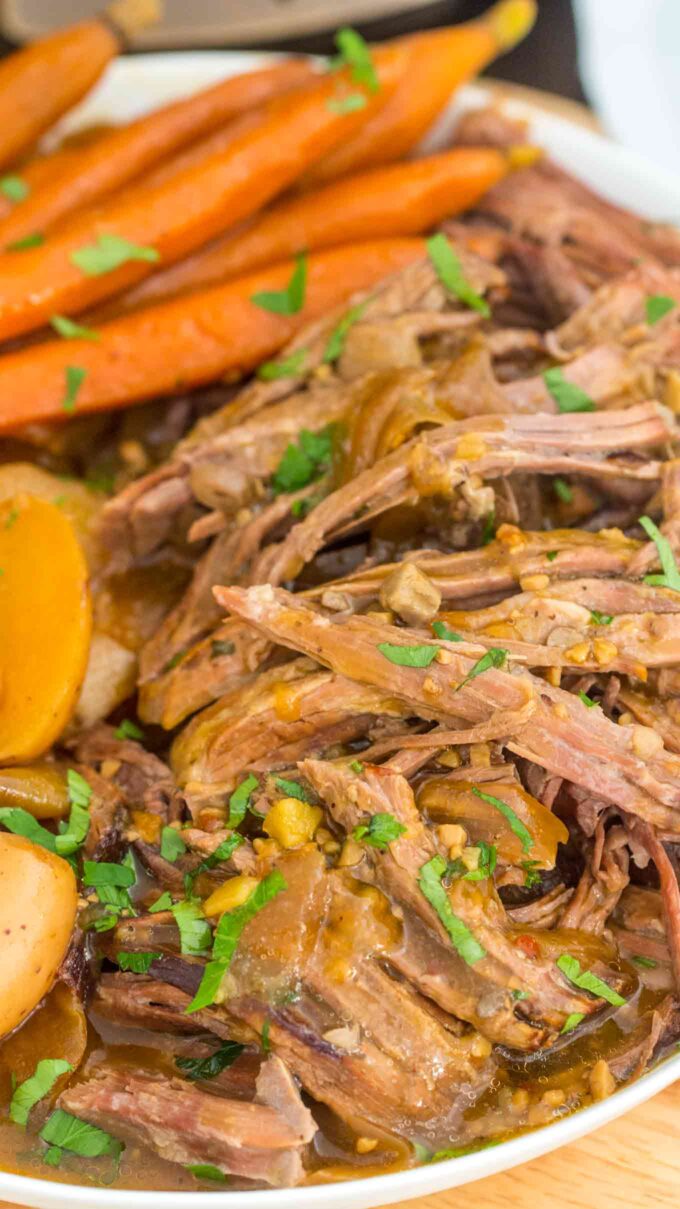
91,172
98,252
185,342
400,199
41,82
442,60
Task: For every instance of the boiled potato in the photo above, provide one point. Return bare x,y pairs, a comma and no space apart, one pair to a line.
45,623
38,901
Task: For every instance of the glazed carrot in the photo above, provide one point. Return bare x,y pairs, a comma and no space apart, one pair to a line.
400,199
183,343
41,82
91,172
442,60
97,253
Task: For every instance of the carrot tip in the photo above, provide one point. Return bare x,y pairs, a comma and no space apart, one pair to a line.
511,21
523,155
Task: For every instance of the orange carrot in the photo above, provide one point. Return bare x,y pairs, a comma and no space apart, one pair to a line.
442,60
143,227
183,343
400,199
122,154
41,82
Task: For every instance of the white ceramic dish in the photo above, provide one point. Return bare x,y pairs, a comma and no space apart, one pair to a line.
130,87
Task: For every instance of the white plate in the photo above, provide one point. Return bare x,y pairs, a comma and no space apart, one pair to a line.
130,87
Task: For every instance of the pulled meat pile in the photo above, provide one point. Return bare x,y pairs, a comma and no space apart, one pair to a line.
407,866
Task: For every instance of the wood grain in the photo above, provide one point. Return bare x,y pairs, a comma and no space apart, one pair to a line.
634,1163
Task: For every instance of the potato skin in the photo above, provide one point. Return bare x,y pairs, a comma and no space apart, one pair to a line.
38,902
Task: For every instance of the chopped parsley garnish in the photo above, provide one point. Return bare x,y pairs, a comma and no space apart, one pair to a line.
228,934
599,618
671,576
532,876
164,903
587,701
337,338
111,883
109,252
264,1041
36,240
104,873
70,1133
129,730
290,367
656,306
495,657
563,491
137,963
20,822
573,1019
516,825
347,104
488,857
442,630
430,882
356,766
519,995
567,396
571,968
209,1068
645,963
289,301
219,647
355,54
489,527
194,929
552,555
240,800
36,1087
408,656
292,789
74,833
380,831
450,272
69,330
223,852
304,461
172,844
75,376
14,188
207,1171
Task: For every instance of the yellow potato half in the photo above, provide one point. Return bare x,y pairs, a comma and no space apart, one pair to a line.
38,901
45,625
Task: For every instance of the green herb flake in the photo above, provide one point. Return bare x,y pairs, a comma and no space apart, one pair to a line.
103,873
223,852
516,825
488,858
74,833
442,630
290,367
292,789
240,801
586,981
35,1088
36,240
220,647
14,188
303,462
20,822
489,527
207,1171
430,882
69,330
355,54
108,253
671,576
291,300
337,338
129,730
587,701
656,306
70,1133
532,876
450,272
228,934
563,491
495,657
349,103
645,963
172,844
356,766
75,376
194,929
380,831
599,618
572,1021
164,903
208,1068
552,555
519,995
568,397
408,656
264,1041
53,1156
137,963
